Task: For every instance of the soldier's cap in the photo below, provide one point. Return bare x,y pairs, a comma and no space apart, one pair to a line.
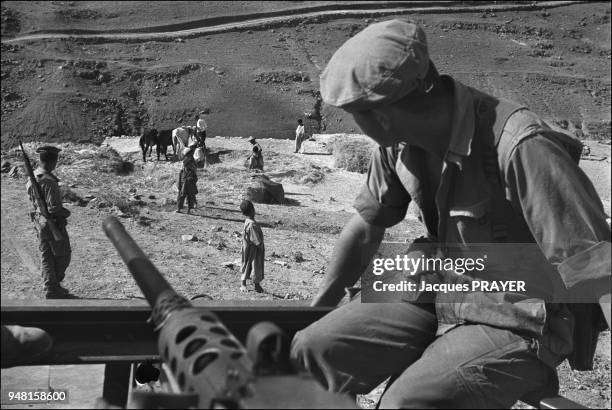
48,149
378,66
251,139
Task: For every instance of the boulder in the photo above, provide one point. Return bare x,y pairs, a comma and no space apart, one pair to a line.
265,191
87,74
298,257
167,201
12,96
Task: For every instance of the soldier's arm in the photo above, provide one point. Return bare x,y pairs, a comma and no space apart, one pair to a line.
354,249
381,203
565,216
53,198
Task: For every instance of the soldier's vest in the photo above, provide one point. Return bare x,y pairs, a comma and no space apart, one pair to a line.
501,126
39,178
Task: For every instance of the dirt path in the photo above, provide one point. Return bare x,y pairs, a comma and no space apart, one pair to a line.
205,27
17,246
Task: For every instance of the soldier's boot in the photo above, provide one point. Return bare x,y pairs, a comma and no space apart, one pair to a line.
258,288
22,345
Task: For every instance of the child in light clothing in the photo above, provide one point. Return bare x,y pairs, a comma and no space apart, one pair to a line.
299,137
253,250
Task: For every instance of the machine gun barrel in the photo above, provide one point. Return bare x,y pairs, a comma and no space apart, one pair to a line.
146,275
203,356
205,361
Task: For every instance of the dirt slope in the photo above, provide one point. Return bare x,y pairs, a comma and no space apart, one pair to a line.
259,81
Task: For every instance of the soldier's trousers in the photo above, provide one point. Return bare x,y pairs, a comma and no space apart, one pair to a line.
55,255
252,263
358,346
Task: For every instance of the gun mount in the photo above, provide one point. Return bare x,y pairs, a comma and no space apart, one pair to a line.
205,366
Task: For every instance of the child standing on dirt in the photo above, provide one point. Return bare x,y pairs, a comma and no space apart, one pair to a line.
299,137
255,160
187,182
253,250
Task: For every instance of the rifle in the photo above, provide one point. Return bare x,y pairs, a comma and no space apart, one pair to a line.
204,364
39,197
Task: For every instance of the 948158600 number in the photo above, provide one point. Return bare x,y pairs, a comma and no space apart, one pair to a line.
34,396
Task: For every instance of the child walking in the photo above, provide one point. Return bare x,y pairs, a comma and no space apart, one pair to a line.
253,250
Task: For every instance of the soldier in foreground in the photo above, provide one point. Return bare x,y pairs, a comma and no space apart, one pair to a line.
54,248
482,171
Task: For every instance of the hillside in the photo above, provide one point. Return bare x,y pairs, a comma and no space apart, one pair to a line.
256,76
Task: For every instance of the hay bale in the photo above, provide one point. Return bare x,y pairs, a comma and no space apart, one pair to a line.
352,153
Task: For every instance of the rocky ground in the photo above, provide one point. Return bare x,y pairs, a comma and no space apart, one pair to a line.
200,253
251,79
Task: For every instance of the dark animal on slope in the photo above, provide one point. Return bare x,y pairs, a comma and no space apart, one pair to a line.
160,139
147,140
164,139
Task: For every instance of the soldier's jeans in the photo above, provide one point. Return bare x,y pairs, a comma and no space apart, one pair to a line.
358,346
55,255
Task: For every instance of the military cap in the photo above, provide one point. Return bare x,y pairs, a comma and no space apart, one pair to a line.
379,65
48,149
251,139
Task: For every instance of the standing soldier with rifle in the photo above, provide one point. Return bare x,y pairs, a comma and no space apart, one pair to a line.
49,217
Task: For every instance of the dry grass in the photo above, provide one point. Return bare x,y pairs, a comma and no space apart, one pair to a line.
352,153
